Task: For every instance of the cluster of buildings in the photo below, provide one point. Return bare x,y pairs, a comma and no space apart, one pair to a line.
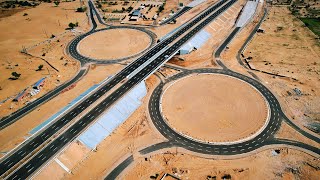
136,14
26,92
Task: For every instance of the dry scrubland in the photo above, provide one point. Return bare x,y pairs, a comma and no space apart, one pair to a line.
290,49
138,131
16,133
114,44
18,31
113,10
289,164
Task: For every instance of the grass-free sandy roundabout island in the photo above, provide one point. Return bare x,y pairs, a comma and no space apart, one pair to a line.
214,108
114,43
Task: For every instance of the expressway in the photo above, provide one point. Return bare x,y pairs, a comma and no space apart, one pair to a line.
72,50
15,116
68,135
6,121
176,140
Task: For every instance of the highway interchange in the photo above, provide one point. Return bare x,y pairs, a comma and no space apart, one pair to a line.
41,156
42,148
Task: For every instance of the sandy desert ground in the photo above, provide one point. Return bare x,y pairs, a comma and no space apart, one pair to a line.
296,57
290,49
163,30
219,29
135,133
16,133
288,164
39,25
114,44
214,108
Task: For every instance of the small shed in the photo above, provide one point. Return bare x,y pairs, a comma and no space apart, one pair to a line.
136,13
133,18
39,84
21,95
155,17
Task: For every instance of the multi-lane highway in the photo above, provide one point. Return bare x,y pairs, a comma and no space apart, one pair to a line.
53,147
13,163
266,137
6,121
72,50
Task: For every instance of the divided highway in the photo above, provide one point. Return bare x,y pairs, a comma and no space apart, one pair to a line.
67,136
8,120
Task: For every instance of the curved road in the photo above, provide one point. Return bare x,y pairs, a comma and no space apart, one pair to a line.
72,50
239,148
265,138
39,157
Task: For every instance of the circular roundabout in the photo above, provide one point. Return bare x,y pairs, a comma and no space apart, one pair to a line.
214,108
114,44
221,113
105,46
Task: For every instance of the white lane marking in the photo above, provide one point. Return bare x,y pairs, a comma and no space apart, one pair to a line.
30,169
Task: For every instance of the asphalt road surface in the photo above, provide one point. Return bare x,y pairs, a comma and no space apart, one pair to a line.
177,140
175,16
72,50
232,149
15,116
6,121
67,136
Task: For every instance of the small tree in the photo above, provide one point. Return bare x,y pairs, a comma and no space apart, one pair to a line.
161,8
56,3
71,25
81,9
40,67
15,75
174,21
